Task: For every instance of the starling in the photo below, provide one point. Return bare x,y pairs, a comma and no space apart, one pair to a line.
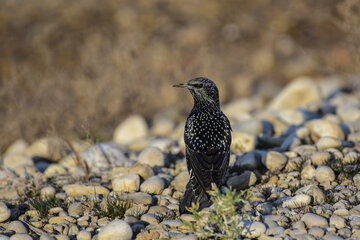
207,137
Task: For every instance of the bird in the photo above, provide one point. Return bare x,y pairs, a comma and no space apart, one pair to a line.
207,137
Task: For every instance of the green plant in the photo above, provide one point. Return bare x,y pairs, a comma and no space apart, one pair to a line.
44,204
111,206
222,221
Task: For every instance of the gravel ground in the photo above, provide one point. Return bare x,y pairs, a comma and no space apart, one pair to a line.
298,156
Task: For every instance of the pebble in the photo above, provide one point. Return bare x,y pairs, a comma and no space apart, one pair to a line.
324,128
4,237
131,129
251,229
4,212
139,197
53,148
76,209
242,142
324,174
13,161
17,147
337,221
149,218
248,161
81,190
21,236
116,230
328,142
298,93
143,170
308,172
152,156
356,180
54,170
103,156
317,232
127,183
242,181
314,220
47,192
315,192
180,180
300,200
83,235
153,185
274,161
17,227
320,158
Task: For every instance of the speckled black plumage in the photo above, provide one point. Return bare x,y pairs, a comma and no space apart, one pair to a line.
207,137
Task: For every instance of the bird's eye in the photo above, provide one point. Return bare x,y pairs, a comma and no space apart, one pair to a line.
198,85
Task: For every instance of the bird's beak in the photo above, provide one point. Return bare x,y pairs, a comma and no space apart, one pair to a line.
181,85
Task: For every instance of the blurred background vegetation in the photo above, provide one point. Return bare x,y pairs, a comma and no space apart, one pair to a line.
77,68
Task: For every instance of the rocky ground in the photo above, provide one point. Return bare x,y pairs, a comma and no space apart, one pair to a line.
298,156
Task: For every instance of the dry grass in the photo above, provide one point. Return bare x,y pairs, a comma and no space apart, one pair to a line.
76,68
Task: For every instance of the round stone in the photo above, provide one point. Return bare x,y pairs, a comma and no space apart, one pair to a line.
308,172
320,158
152,156
337,221
242,181
314,220
4,212
300,200
242,142
274,161
324,174
126,183
312,190
328,142
324,128
13,161
131,129
47,192
153,185
251,229
116,230
180,180
75,190
83,235
4,237
17,227
143,170
21,236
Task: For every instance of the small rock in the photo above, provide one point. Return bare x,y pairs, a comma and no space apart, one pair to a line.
153,185
242,181
324,128
248,161
75,190
162,127
17,227
320,158
83,235
274,161
316,193
176,223
314,220
337,221
251,229
52,148
47,192
63,219
242,142
127,183
13,161
316,232
116,230
330,236
254,127
4,237
143,170
328,142
104,156
152,156
308,172
21,236
131,129
17,147
324,174
76,209
180,181
300,200
149,218
4,212
298,93
54,170
356,180
139,197
351,158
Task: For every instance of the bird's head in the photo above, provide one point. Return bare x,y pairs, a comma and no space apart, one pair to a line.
203,90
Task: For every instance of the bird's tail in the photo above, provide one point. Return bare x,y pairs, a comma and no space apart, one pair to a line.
194,194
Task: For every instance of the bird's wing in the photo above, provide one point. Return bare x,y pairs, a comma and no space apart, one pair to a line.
206,168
